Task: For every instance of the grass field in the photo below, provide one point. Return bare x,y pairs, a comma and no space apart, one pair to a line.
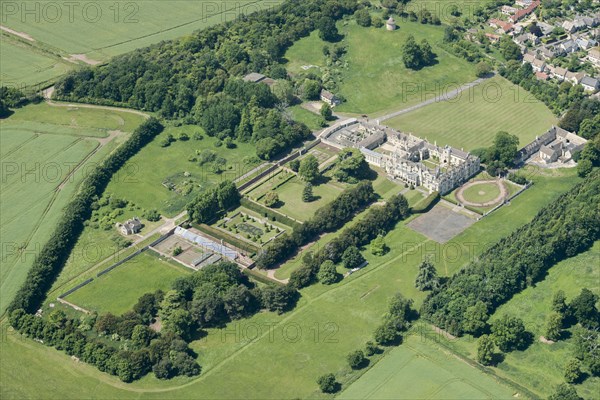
482,192
141,179
45,152
540,367
71,120
312,120
290,195
289,188
102,30
332,321
418,369
118,290
376,79
22,64
473,119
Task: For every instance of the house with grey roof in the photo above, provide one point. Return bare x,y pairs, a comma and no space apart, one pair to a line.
569,46
585,43
555,145
536,64
130,227
330,98
594,56
590,84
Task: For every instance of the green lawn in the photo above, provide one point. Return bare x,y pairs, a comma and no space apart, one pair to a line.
482,192
23,65
71,120
442,9
102,30
306,52
300,114
269,183
39,151
290,195
376,79
473,119
540,367
547,185
332,321
141,178
418,369
118,290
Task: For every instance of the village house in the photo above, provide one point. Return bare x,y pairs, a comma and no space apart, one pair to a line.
590,84
574,77
508,10
501,26
523,3
573,26
569,46
537,65
594,56
558,73
520,14
545,28
130,227
548,52
541,76
492,38
330,98
585,43
525,38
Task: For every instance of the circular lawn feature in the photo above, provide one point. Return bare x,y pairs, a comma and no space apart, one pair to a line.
482,193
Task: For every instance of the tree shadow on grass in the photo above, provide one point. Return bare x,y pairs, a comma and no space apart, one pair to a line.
364,364
528,340
497,358
321,180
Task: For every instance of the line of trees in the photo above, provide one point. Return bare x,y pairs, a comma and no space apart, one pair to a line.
213,202
562,229
126,346
377,221
326,219
558,97
52,257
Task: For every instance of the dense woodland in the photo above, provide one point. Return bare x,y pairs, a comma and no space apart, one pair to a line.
198,78
562,229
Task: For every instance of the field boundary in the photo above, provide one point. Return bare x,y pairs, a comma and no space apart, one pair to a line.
110,268
436,339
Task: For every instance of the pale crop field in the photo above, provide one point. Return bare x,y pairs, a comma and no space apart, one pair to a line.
61,36
45,153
